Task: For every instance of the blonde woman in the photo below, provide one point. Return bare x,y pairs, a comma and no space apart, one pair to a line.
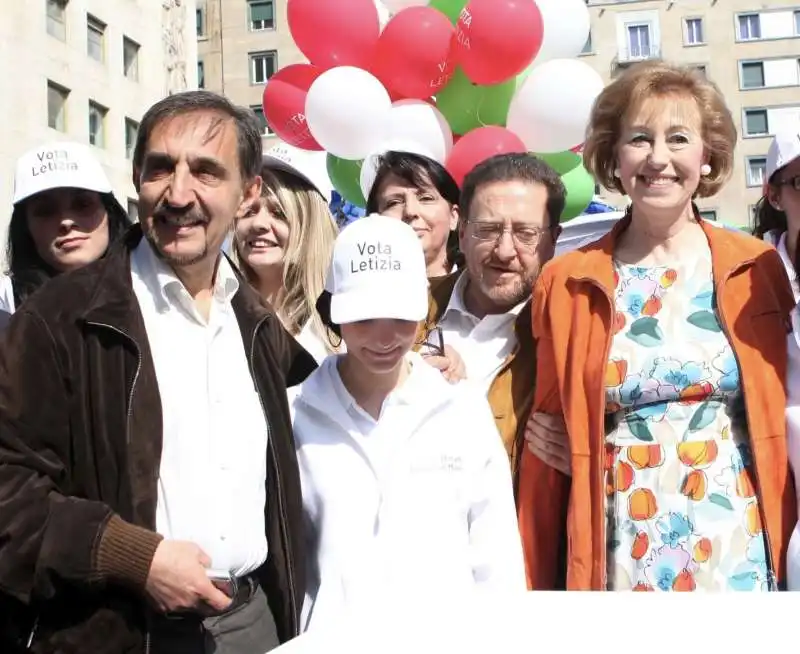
284,246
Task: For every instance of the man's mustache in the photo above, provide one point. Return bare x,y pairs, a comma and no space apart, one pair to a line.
180,217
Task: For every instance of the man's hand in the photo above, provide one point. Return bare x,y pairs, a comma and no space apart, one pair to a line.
451,365
547,438
177,580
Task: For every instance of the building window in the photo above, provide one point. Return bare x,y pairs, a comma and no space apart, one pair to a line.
262,66
133,210
57,19
57,106
201,75
200,21
130,58
262,14
702,69
97,124
258,110
694,31
95,38
749,27
756,122
756,170
709,214
587,47
131,130
797,23
753,75
639,46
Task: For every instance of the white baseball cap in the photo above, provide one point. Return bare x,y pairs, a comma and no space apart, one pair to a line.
783,150
309,166
59,164
377,271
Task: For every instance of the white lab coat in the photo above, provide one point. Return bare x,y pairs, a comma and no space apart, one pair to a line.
419,503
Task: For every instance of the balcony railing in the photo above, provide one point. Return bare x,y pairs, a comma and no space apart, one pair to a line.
631,55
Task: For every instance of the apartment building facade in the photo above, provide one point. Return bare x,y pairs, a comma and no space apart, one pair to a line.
87,70
749,48
240,45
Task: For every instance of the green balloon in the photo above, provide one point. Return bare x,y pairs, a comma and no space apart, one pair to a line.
345,175
467,106
450,8
577,181
561,162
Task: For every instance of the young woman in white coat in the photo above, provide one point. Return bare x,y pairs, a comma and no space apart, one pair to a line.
778,223
406,485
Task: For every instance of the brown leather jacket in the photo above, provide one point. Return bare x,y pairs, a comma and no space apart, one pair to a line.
80,446
511,392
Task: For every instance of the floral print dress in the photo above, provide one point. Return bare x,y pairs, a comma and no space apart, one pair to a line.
682,512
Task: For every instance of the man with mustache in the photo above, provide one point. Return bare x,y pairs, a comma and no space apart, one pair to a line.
510,209
149,491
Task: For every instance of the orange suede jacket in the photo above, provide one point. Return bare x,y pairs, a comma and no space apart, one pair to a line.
562,520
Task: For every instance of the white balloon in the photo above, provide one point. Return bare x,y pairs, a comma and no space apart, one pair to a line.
347,110
566,29
419,122
550,110
369,168
398,5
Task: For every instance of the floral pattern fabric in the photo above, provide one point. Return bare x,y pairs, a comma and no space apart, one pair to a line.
682,512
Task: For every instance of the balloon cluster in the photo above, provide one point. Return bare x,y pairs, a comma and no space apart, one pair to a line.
454,80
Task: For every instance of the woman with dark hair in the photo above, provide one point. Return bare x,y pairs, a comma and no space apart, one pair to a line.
65,216
778,223
422,194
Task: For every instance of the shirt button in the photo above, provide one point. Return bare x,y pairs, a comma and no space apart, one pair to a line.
222,538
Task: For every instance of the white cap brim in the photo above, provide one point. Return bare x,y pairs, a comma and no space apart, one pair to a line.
276,163
378,304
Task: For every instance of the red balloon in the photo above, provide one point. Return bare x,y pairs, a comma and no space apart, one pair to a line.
414,54
497,39
477,146
335,33
284,104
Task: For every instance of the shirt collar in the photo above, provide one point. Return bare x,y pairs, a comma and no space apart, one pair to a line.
458,305
165,285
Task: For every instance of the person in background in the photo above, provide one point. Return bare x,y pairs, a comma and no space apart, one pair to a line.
420,192
283,245
65,216
149,490
662,349
510,211
778,223
406,486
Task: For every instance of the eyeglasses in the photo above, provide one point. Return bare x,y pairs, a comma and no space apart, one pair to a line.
794,182
433,343
489,232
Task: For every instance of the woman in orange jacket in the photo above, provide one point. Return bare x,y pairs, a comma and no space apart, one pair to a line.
662,347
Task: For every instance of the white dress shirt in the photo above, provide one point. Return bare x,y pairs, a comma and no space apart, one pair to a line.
484,343
212,479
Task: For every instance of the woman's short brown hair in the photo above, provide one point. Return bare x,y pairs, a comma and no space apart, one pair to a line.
654,79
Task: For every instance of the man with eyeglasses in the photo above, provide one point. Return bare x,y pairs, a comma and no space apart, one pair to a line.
510,211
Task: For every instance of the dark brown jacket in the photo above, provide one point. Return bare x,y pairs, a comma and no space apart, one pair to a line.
511,392
80,448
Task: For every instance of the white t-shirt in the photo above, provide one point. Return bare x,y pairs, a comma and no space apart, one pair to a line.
7,295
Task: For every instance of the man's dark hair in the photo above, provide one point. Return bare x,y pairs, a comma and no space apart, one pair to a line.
515,167
419,172
248,130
